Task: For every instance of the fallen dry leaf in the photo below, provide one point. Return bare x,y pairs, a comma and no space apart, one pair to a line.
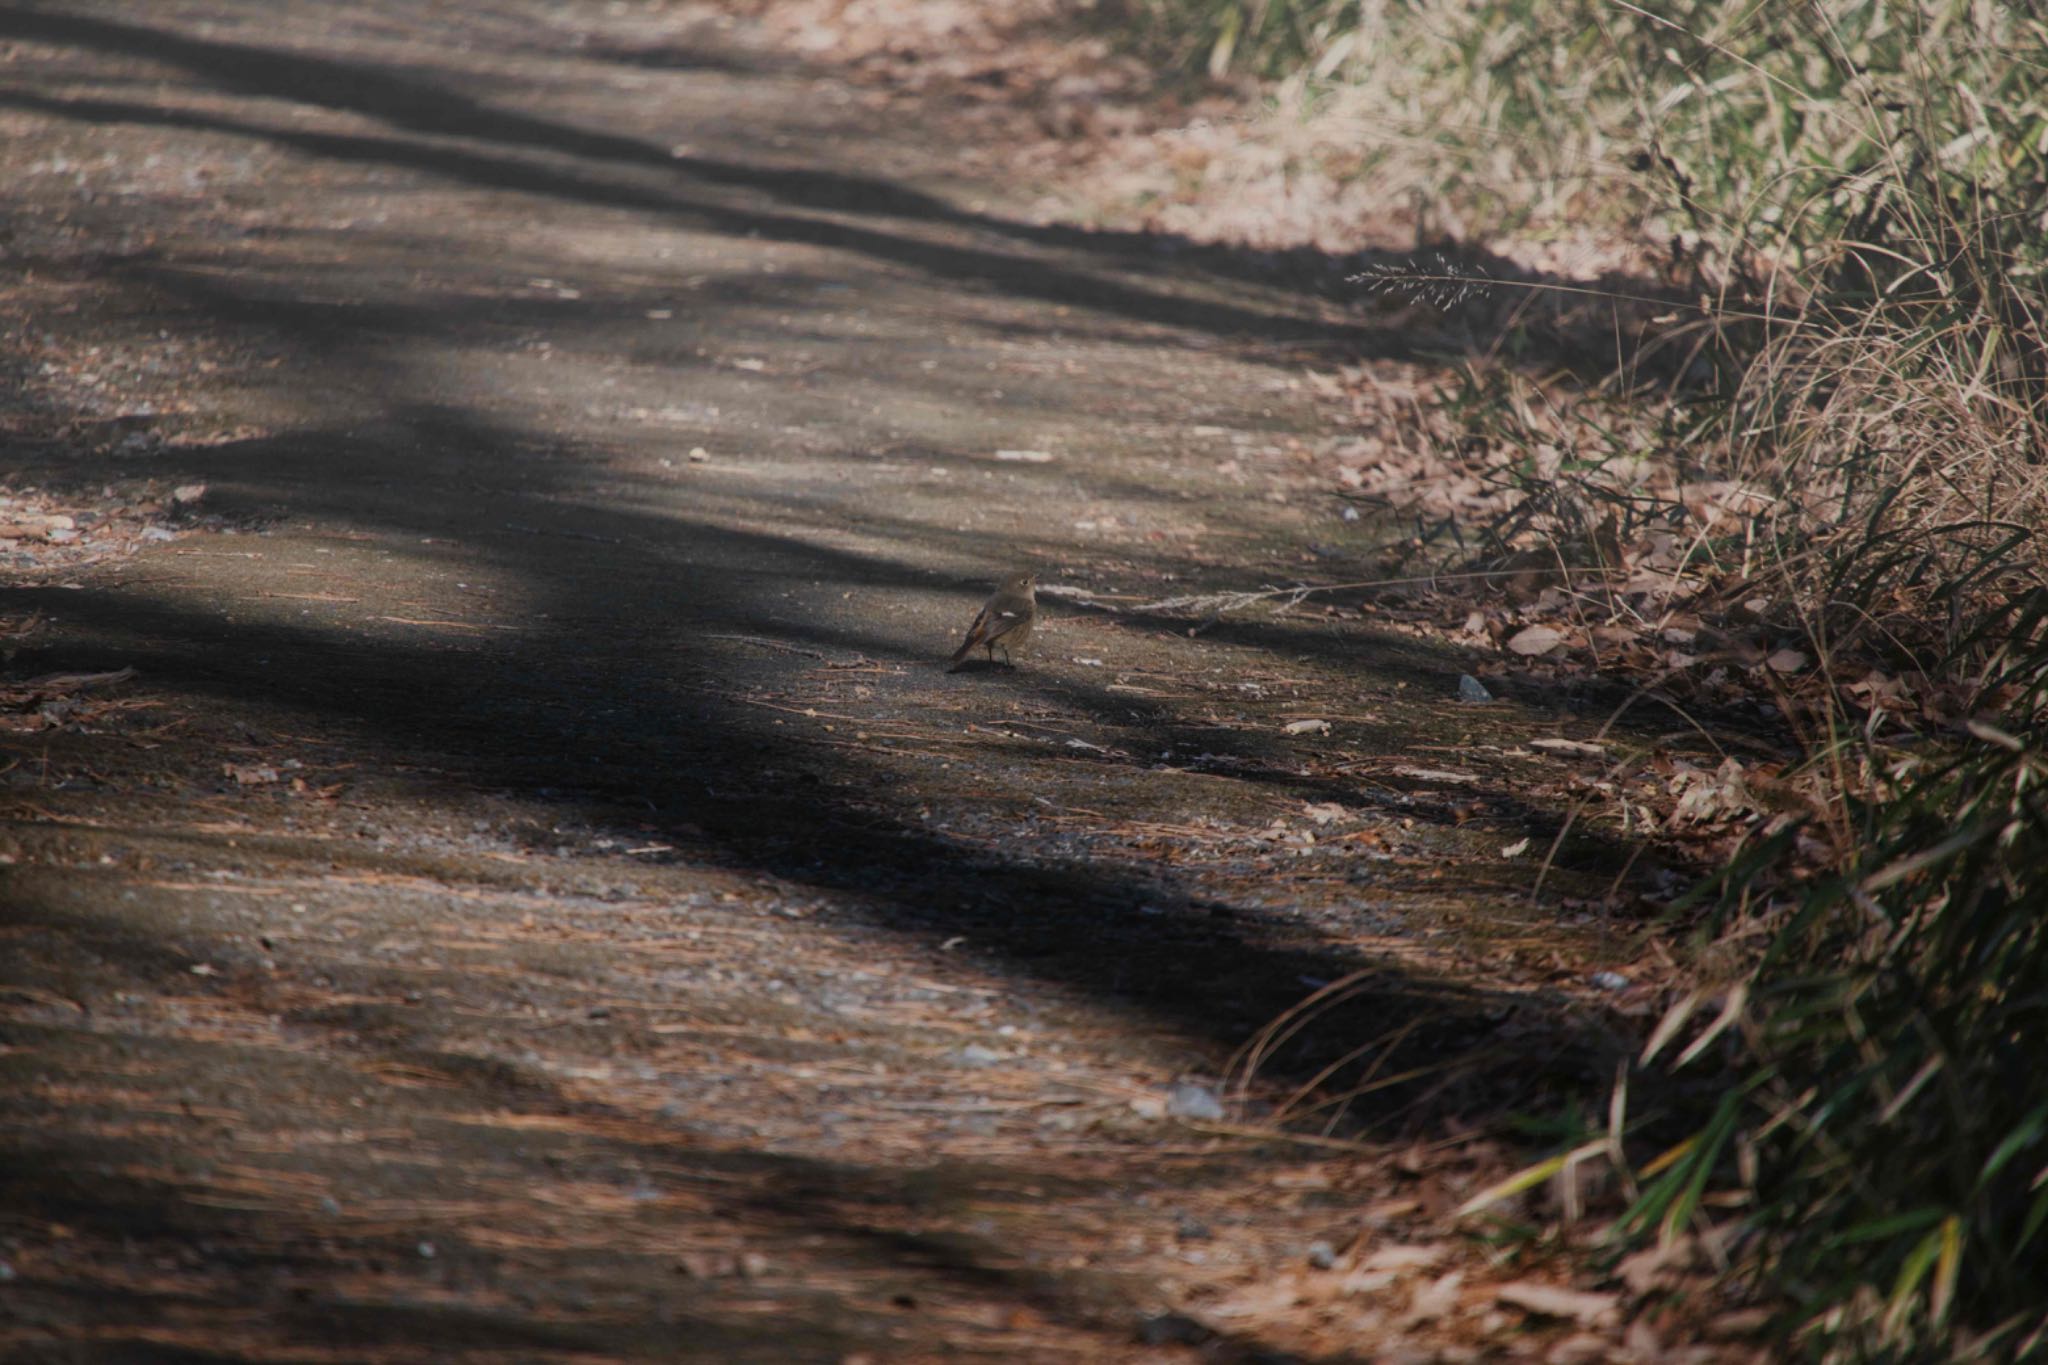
1657,1267
1361,1283
1258,1300
1556,1301
1532,640
1434,1298
1706,797
1402,1256
1581,1348
1576,747
1436,775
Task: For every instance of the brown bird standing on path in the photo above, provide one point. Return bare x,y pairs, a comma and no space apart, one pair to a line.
1004,622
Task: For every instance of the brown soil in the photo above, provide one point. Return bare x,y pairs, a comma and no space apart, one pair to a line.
540,896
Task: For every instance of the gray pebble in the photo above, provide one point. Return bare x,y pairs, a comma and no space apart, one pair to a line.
1186,1100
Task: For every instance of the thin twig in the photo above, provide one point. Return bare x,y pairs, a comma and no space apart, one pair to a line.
766,643
566,535
1226,601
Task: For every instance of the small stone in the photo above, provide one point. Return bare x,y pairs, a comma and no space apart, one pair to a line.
1470,689
974,1054
427,1251
1186,1100
1322,1255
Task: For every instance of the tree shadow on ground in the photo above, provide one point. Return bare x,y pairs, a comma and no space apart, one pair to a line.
241,1191
611,705
417,1243
448,134
633,731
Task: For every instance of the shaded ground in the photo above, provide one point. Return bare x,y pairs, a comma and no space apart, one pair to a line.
541,897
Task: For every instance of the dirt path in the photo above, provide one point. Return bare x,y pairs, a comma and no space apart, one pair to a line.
541,897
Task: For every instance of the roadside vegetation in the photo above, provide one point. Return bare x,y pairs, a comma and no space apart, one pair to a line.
1809,488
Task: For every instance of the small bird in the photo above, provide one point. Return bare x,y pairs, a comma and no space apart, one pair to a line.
1004,622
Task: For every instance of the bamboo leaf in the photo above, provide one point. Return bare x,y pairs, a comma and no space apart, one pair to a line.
2016,1141
1941,1295
1529,1176
1918,1262
1731,1010
1673,1020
